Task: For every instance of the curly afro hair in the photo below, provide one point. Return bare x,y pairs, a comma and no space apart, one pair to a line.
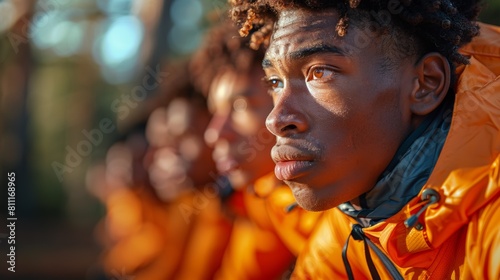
223,50
437,25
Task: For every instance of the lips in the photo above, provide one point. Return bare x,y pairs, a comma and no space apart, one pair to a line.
289,170
291,162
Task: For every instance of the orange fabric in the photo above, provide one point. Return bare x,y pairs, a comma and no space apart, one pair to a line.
294,226
189,237
206,245
148,239
255,251
460,237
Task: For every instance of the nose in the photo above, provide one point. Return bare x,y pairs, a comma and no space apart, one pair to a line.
219,128
286,118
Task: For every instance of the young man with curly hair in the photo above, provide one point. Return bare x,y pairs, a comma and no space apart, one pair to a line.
265,237
387,117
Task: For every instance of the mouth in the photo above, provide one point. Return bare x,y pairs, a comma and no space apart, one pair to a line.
291,162
289,170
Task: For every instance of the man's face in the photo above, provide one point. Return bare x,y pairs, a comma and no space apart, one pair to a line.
339,116
240,104
180,157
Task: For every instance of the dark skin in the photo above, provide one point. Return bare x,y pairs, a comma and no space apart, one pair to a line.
338,116
242,144
180,159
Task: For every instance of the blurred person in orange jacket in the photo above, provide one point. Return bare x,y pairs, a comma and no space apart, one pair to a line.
147,189
264,237
387,117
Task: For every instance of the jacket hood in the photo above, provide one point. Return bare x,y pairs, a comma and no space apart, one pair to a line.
466,175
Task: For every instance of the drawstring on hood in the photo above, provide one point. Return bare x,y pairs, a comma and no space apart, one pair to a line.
415,158
290,207
408,171
430,196
452,238
357,234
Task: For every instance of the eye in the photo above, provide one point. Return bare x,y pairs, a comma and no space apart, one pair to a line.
320,73
274,84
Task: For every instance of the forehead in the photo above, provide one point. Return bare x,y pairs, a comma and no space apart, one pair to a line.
301,20
231,84
300,26
302,29
221,88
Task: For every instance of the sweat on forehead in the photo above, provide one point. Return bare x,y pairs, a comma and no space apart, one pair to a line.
442,26
322,37
290,21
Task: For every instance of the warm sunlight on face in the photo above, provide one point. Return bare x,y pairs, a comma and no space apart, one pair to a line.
240,104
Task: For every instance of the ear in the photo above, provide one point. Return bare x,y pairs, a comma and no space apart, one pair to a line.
433,74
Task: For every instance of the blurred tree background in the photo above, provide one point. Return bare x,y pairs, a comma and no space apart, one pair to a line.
491,12
67,67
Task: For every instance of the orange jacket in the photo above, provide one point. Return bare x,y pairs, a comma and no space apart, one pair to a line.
460,234
138,229
264,244
149,239
293,224
254,251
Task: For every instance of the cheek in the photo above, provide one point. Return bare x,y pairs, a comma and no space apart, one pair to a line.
328,99
387,117
355,128
248,122
378,130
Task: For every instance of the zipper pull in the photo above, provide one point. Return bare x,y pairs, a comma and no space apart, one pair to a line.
432,196
290,207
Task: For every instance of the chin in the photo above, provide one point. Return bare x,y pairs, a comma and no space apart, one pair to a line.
309,198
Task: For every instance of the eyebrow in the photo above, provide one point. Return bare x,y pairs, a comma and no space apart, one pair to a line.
309,51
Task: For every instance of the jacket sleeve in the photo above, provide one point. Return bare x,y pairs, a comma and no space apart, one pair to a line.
255,251
483,236
293,224
146,238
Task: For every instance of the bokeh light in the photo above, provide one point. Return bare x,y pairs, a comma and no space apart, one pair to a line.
185,34
186,12
117,49
121,41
